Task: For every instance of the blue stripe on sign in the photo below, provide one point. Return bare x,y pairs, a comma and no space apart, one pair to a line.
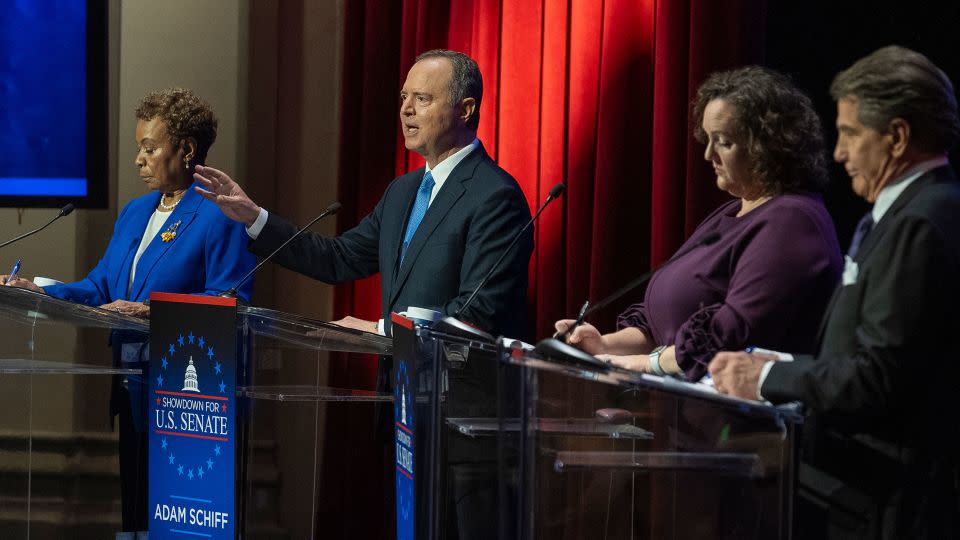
191,499
191,533
44,186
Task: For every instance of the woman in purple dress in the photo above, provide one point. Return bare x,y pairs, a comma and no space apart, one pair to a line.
767,280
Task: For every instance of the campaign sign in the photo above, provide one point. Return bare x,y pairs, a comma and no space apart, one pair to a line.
192,417
403,431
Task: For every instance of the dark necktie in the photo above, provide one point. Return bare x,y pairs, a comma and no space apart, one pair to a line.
863,229
419,210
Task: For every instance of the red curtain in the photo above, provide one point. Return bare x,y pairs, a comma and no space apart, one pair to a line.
592,93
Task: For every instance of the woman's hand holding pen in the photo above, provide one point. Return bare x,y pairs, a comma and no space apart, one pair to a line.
19,283
585,337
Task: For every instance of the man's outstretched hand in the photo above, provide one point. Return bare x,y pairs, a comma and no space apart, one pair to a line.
221,190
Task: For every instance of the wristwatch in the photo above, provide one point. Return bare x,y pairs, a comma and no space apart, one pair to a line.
655,360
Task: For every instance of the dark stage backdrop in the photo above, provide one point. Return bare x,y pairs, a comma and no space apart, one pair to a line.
592,93
812,41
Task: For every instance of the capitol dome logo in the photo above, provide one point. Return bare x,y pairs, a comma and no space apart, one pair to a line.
190,383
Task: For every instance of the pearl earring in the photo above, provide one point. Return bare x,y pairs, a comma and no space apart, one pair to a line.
186,164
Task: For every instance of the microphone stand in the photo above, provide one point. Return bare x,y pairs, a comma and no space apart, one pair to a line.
452,324
63,212
232,293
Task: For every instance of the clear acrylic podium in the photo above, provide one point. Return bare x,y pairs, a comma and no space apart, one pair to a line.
494,441
446,420
595,453
298,477
58,453
507,444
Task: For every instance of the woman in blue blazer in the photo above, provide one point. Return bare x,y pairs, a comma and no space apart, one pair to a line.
206,254
171,240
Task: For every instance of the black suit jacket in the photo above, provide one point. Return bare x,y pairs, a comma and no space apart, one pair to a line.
887,369
470,223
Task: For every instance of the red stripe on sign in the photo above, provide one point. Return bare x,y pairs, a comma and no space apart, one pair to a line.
187,394
405,428
405,473
192,299
401,320
192,436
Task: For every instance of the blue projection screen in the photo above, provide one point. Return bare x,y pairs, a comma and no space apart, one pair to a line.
52,103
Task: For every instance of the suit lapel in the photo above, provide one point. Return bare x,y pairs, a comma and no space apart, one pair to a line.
448,196
137,223
827,313
395,228
409,195
184,213
872,239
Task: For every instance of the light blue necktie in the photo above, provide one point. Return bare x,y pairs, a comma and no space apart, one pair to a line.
419,210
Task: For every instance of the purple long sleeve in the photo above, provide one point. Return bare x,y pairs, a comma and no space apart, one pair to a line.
766,282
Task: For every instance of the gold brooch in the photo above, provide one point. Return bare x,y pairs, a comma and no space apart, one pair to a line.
171,232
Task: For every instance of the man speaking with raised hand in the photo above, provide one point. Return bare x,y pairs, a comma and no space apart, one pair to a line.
436,231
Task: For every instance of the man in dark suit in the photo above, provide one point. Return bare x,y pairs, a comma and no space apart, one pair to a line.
434,235
437,231
883,387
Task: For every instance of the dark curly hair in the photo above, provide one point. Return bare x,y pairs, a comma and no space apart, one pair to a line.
186,116
783,133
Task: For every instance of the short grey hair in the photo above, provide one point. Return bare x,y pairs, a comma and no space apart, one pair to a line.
465,82
896,82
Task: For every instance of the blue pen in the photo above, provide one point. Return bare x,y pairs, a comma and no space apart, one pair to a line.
13,273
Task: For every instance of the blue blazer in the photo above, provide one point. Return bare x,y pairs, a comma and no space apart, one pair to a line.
208,255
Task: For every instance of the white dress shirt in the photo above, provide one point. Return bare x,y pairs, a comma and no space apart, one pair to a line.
156,222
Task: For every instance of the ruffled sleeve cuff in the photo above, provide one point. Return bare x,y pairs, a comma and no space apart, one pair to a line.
697,342
635,316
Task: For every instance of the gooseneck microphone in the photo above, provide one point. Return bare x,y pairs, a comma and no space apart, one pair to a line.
555,192
65,211
453,324
557,348
332,209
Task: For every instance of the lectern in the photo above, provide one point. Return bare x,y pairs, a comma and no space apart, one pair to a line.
606,453
292,478
57,453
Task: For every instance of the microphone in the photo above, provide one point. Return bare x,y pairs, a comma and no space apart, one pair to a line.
332,209
65,211
453,324
557,347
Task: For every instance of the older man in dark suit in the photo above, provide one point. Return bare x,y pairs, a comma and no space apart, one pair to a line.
437,230
884,384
